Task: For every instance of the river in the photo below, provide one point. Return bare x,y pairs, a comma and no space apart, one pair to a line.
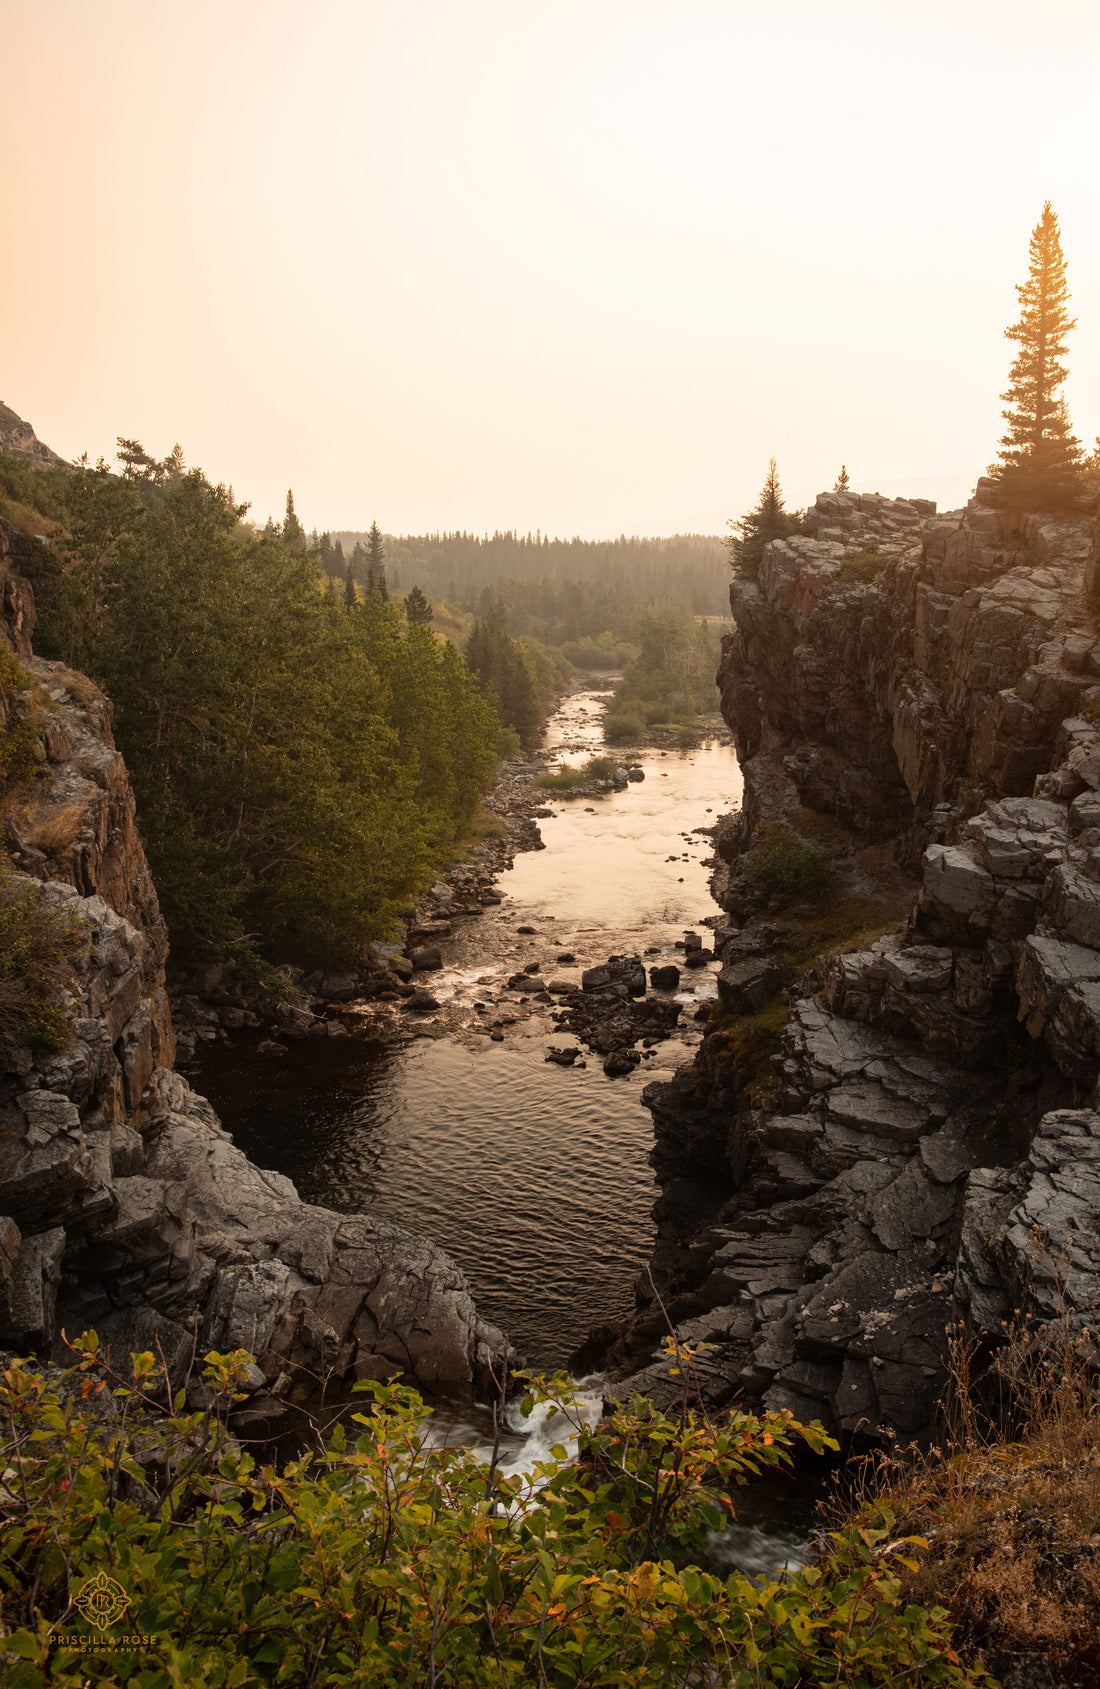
534,1177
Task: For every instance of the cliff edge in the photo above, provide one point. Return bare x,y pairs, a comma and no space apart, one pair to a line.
928,1159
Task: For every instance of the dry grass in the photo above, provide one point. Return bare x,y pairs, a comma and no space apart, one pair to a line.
1012,1515
53,827
26,519
80,685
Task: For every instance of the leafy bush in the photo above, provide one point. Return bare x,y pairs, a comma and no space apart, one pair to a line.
623,727
784,871
385,1560
569,778
38,938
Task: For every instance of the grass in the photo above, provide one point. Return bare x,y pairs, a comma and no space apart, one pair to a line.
38,939
1011,1512
25,517
18,733
861,565
483,824
82,688
751,1041
52,827
570,778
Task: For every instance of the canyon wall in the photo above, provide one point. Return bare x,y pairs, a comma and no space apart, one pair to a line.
124,1205
928,1159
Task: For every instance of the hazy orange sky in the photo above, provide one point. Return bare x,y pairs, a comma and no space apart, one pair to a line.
577,266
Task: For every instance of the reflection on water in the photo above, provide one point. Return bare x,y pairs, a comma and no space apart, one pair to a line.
534,1177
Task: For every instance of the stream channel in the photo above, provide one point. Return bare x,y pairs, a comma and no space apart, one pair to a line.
534,1177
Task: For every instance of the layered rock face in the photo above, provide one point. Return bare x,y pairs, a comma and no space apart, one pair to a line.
933,1157
124,1206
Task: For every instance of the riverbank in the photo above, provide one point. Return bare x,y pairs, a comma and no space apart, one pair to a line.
472,1102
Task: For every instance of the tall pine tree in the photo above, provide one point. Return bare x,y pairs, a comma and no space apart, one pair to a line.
376,564
769,521
1039,463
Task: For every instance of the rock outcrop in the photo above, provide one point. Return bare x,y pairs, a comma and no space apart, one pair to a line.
20,440
930,1156
124,1205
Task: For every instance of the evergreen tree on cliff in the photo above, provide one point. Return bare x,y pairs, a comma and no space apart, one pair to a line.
769,521
843,481
1040,460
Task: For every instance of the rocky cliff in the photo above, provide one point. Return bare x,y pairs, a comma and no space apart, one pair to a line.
929,1157
20,440
124,1205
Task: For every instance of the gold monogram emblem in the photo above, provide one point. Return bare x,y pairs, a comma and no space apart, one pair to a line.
102,1601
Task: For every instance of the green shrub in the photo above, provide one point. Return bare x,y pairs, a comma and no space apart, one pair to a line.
784,871
567,777
380,1560
624,727
38,939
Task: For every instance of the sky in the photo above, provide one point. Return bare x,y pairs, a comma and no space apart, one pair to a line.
577,265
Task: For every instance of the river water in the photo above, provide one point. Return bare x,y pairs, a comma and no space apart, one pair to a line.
534,1177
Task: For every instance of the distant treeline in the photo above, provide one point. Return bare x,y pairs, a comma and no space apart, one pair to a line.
458,566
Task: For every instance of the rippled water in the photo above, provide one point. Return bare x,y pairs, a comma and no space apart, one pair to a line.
534,1177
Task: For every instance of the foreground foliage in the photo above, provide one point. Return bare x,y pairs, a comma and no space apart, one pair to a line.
1011,1505
388,1560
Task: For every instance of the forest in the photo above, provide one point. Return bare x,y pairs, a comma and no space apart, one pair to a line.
301,757
553,590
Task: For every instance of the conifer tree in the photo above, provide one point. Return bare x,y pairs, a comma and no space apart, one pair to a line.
376,567
418,611
842,482
292,528
351,597
1040,460
769,521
